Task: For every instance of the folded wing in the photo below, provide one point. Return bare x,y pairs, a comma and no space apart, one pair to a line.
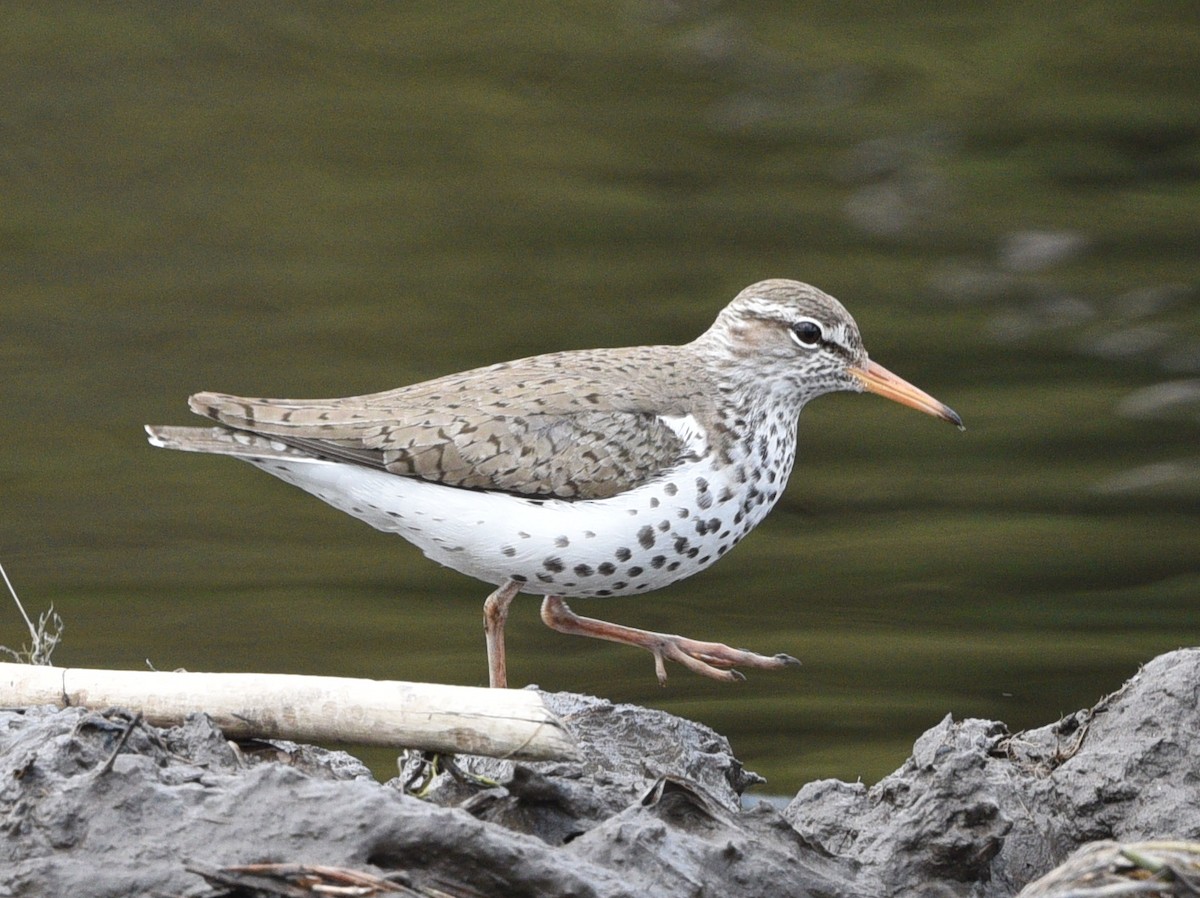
587,434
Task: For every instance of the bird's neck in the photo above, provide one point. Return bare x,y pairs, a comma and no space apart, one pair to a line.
755,428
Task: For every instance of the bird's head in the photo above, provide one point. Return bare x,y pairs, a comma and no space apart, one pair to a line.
787,336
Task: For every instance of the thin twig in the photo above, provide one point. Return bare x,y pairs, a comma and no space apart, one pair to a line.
44,636
129,727
20,607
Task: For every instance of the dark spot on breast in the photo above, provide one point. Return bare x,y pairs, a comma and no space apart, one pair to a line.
623,554
583,570
554,565
545,578
664,526
620,584
725,495
654,503
562,542
604,592
607,568
509,551
646,537
673,566
701,485
518,578
634,571
658,561
681,545
704,500
670,489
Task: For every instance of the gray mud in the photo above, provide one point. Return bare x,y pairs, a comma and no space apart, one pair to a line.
654,808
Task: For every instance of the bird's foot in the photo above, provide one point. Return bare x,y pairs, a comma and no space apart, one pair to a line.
709,659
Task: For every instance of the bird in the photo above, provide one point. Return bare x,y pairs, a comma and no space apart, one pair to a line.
581,473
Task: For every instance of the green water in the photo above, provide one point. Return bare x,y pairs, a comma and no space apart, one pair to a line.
286,199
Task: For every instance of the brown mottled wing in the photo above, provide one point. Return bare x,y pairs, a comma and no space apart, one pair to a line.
576,425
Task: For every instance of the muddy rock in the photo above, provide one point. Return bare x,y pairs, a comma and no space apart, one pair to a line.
978,811
100,804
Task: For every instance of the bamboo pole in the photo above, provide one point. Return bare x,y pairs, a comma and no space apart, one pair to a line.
508,723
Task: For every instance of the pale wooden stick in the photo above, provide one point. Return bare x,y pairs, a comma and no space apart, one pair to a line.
502,723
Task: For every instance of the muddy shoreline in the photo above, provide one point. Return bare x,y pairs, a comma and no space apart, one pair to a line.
103,805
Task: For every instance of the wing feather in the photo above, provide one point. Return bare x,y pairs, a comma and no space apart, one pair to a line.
581,425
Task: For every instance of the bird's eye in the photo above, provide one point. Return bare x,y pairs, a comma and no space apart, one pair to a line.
806,333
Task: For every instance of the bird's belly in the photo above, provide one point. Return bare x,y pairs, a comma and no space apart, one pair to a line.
667,529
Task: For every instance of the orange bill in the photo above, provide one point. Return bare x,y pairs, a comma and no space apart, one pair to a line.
877,379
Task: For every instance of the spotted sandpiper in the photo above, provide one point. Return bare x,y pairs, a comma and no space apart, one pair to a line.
600,472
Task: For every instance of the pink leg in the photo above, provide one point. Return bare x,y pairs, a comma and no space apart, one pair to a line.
495,613
710,659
